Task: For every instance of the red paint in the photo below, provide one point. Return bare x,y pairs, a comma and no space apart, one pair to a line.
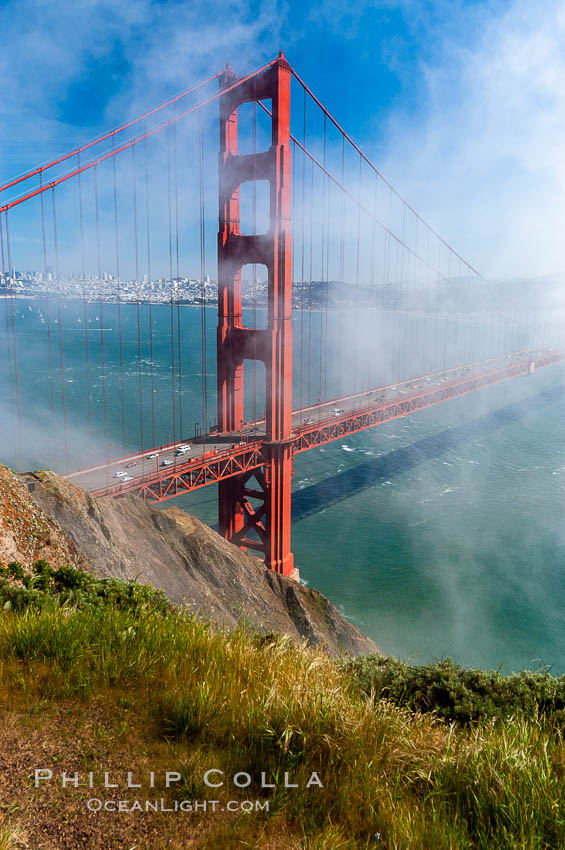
236,343
244,462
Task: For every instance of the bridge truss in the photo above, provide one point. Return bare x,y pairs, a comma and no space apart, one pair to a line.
339,307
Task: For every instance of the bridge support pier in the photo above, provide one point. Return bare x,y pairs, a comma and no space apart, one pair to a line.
270,522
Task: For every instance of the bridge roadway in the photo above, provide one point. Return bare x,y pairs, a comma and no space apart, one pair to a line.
214,457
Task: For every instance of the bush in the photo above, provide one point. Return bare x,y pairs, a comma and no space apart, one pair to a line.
66,586
15,570
459,694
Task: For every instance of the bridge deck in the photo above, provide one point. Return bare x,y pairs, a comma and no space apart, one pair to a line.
214,457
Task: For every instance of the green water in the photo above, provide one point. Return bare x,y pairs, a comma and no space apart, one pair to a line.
438,535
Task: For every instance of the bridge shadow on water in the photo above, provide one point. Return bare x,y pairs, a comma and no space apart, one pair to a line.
311,500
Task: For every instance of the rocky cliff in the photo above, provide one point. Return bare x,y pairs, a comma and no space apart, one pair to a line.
44,516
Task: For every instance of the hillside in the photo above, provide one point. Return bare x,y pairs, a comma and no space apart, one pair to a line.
115,704
44,516
129,725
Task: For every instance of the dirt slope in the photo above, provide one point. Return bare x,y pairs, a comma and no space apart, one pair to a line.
169,549
27,533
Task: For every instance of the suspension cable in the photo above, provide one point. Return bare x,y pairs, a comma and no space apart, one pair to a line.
119,300
110,134
84,302
375,169
171,288
179,351
303,221
5,282
138,308
60,322
202,271
101,317
47,306
147,134
254,272
150,311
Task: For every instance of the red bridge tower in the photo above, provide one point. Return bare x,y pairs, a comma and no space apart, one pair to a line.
270,518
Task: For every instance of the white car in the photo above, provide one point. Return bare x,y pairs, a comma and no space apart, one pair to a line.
127,478
152,456
182,450
166,463
120,474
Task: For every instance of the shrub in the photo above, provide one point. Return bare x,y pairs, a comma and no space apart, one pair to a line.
15,570
459,694
66,586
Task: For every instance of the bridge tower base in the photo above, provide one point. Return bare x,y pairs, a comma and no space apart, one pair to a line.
257,516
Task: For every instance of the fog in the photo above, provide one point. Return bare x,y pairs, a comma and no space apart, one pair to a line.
379,297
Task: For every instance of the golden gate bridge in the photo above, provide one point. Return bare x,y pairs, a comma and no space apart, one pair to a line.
365,313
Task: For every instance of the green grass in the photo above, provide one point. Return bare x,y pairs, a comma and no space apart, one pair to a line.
9,837
486,774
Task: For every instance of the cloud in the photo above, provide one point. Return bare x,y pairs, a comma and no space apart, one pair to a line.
477,148
483,157
67,69
70,73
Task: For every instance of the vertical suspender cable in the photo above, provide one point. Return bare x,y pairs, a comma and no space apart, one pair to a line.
14,346
47,306
374,231
437,335
15,431
116,235
411,318
138,309
8,346
12,308
293,245
378,374
101,317
477,335
445,333
310,278
171,287
60,321
341,274
447,328
328,293
179,353
148,239
303,219
419,308
404,321
323,289
355,341
254,284
202,269
395,362
84,302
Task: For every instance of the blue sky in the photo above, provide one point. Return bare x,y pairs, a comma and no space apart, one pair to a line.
81,64
79,71
461,104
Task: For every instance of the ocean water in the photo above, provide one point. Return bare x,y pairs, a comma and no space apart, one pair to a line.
438,535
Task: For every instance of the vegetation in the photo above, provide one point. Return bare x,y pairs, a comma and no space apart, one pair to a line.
48,589
410,758
455,693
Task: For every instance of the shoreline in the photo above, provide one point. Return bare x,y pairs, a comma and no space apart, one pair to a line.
214,305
